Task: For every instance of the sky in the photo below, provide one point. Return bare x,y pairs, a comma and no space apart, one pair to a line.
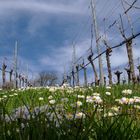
47,30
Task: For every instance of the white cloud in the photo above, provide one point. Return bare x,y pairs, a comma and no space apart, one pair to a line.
38,6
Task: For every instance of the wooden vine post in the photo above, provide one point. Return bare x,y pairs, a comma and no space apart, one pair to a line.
3,74
131,61
16,80
69,79
108,54
93,67
129,74
10,75
118,74
73,78
77,73
139,73
20,79
85,73
129,51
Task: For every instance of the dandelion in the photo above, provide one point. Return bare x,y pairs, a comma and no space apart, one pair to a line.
108,93
79,103
40,98
52,102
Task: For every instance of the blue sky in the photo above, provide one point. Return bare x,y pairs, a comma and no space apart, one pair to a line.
46,30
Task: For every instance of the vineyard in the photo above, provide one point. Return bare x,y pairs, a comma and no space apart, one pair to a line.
69,70
67,113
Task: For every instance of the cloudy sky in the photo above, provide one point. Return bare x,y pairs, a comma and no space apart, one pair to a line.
47,29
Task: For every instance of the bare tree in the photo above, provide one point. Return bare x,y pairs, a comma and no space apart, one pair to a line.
46,79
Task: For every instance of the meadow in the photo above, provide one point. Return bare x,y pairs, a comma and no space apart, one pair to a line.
59,113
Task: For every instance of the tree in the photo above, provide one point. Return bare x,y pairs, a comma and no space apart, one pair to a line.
46,79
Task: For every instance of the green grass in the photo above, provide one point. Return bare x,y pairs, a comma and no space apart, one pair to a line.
29,114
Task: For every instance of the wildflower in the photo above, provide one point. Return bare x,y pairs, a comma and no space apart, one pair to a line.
124,100
89,97
96,94
15,94
117,100
81,96
109,114
137,99
69,116
115,108
108,93
79,115
77,87
89,100
52,102
127,92
11,95
8,132
79,103
65,100
17,130
65,85
97,99
131,101
50,97
52,89
40,98
137,106
4,96
108,87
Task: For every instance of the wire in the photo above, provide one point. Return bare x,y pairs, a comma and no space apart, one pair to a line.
116,46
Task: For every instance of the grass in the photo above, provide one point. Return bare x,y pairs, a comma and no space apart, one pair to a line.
66,113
